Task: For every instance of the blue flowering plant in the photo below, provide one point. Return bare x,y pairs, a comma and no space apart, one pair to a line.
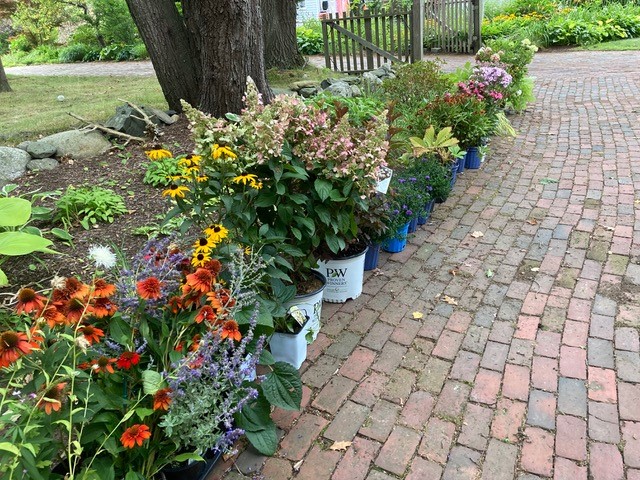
407,201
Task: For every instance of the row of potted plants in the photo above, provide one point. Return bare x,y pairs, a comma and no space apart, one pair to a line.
153,361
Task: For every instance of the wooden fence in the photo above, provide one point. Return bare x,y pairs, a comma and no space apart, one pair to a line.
364,39
453,26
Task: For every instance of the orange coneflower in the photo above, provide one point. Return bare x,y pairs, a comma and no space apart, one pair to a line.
103,307
128,360
74,288
12,346
230,330
52,399
53,316
74,309
103,289
149,288
214,266
174,304
162,399
36,337
225,297
206,313
195,342
103,364
201,280
135,435
29,301
91,334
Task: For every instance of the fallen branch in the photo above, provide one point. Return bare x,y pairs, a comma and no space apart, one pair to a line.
110,131
151,126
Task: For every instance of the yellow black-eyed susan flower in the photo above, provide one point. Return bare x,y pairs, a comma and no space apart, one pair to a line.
218,151
216,232
176,191
199,259
158,154
247,178
204,245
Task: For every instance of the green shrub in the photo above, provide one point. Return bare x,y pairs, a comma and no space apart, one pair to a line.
159,172
416,81
85,35
20,44
92,55
310,38
41,54
139,51
73,53
88,206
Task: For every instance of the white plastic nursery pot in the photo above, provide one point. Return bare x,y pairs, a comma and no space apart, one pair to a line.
289,347
344,277
383,185
311,305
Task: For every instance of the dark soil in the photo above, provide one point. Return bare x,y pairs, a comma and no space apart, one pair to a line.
121,169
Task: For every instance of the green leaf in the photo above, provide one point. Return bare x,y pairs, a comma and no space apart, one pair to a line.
9,447
62,234
143,412
151,381
323,188
547,181
183,457
265,441
3,278
283,387
20,243
14,212
120,330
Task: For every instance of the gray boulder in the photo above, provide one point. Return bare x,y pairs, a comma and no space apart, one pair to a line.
341,89
128,120
371,82
13,164
78,144
308,92
41,149
297,86
23,145
42,164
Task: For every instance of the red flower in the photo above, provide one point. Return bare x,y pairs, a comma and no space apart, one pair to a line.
12,346
103,364
73,288
74,309
201,280
53,316
91,334
103,289
149,289
135,434
29,300
103,307
230,330
162,399
128,360
206,313
52,399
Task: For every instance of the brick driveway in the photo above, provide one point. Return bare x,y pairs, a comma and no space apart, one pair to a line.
535,372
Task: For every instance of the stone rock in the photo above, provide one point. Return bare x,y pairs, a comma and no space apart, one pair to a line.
371,82
78,144
13,164
160,115
297,86
355,91
41,150
42,164
23,145
384,71
124,121
351,80
308,92
340,89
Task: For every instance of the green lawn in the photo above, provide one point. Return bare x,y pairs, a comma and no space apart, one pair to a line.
32,109
627,44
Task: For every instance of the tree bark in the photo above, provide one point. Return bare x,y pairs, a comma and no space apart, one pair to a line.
172,53
4,83
228,36
280,41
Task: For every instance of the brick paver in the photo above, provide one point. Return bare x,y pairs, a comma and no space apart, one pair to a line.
535,373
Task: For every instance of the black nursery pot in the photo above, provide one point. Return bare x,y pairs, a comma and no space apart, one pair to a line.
192,471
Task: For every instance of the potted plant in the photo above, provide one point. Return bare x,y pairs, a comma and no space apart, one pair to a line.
373,225
288,342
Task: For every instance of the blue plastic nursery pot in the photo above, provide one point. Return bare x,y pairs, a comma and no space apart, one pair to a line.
461,163
413,225
454,173
397,245
371,257
472,158
428,209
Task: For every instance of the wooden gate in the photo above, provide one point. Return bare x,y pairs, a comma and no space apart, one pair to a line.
365,38
453,26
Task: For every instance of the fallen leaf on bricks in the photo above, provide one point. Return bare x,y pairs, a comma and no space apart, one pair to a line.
449,300
477,234
340,446
417,315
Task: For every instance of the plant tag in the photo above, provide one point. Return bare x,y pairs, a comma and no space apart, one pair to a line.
298,315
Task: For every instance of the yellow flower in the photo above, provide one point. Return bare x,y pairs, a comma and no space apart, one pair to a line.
190,170
249,178
203,245
190,161
158,153
202,178
256,185
217,151
216,232
176,191
200,258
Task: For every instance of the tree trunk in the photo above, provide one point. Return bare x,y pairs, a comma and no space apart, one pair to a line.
228,35
170,49
280,41
4,83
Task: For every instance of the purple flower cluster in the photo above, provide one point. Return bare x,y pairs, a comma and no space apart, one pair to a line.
492,75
